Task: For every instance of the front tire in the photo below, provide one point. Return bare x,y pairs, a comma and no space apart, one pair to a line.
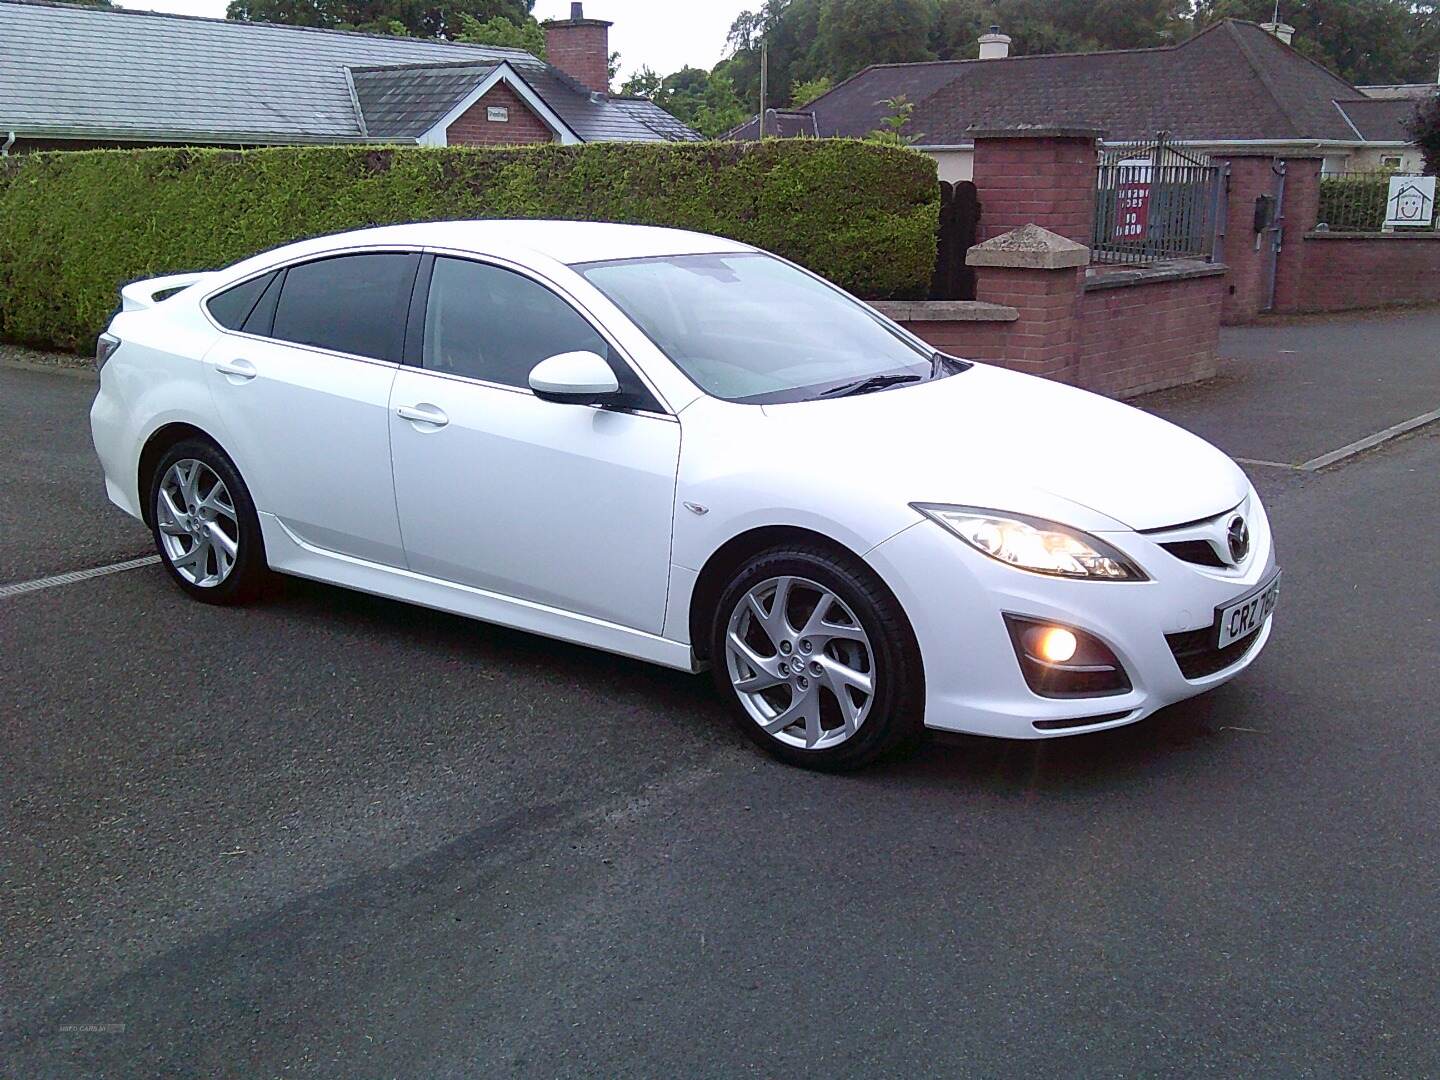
204,525
818,660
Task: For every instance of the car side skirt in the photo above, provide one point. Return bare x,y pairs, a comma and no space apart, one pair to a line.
288,554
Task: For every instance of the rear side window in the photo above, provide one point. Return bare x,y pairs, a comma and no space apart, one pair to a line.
487,323
353,304
233,306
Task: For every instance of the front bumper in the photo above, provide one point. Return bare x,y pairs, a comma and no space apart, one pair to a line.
955,597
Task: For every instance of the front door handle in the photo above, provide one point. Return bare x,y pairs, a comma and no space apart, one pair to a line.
237,371
423,414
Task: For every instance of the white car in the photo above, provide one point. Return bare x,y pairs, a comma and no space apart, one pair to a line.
681,449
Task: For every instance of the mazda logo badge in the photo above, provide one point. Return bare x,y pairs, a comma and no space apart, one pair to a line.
1238,534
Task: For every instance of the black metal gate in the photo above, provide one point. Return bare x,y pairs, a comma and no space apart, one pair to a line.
1155,202
959,220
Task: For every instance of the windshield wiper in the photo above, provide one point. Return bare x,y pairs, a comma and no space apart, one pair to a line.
866,386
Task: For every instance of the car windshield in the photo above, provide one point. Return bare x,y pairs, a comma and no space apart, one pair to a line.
749,327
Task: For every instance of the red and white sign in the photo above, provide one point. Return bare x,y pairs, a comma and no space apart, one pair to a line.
1132,200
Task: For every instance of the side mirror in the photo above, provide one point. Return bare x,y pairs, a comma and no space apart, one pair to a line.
574,378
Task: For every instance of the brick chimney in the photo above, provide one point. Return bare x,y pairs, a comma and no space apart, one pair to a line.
580,47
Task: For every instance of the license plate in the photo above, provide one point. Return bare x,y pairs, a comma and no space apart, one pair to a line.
1248,614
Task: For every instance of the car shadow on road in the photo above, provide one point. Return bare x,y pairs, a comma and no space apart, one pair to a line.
1111,760
1171,743
498,651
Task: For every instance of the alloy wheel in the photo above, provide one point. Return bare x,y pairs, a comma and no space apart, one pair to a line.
199,529
800,662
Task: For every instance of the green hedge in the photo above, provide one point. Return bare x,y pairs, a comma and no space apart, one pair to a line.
75,226
1354,202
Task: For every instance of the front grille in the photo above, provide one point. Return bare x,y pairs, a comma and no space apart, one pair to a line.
1198,657
1200,552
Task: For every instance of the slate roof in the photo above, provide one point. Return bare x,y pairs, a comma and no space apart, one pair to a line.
406,101
99,74
1231,82
1381,119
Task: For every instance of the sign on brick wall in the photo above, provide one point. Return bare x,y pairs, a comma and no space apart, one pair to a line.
1411,202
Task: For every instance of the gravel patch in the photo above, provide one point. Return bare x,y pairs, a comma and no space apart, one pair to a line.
19,356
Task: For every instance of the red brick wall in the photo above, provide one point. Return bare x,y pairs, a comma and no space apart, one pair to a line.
1045,340
473,129
1048,181
1138,331
582,51
1149,335
1120,341
1301,211
1342,272
1250,177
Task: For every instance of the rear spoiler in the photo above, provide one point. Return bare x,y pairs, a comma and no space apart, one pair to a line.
139,295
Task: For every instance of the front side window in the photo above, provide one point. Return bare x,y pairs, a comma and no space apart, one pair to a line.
749,327
488,323
353,304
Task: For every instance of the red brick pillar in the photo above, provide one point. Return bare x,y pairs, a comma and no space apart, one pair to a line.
1044,176
1042,276
1244,251
1301,212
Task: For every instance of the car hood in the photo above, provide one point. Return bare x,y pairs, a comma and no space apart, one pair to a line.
986,436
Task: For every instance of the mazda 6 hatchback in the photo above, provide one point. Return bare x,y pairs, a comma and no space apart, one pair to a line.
682,449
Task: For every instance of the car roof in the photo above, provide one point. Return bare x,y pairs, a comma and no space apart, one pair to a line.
563,241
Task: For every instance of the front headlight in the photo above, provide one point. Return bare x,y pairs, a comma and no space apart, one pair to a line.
1043,547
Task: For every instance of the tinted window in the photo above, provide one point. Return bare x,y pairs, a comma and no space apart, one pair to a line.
233,306
262,319
488,323
351,304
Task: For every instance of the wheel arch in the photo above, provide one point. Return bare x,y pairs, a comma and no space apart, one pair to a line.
735,553
156,446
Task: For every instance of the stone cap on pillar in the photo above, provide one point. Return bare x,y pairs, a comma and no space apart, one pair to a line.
1035,131
1029,248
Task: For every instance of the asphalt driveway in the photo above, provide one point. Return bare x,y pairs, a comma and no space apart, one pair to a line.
1293,390
334,835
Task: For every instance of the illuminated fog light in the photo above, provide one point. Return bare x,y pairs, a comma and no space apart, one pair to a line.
1056,645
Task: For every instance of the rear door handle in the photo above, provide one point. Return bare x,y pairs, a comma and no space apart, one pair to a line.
423,414
237,370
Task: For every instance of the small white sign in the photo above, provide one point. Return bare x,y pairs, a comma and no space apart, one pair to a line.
498,114
1411,202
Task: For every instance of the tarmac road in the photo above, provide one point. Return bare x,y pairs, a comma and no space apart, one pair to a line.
334,835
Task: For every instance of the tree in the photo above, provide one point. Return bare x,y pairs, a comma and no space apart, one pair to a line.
502,33
703,99
644,83
892,131
1424,128
802,93
857,33
420,18
1362,41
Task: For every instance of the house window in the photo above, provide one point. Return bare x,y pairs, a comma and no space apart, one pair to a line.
497,114
1391,161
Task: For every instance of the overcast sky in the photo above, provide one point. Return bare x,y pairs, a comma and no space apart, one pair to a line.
666,34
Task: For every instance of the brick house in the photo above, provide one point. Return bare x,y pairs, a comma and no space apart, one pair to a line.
1235,87
76,77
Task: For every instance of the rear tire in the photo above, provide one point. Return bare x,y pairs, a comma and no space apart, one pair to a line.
818,660
205,526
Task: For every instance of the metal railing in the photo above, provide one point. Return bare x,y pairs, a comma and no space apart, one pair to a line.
1358,201
1155,203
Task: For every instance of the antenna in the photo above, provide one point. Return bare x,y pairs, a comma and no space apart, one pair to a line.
1277,12
764,83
